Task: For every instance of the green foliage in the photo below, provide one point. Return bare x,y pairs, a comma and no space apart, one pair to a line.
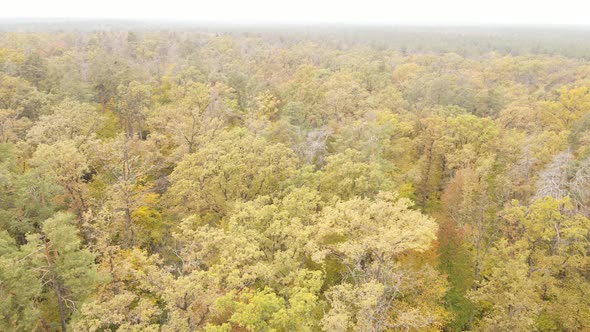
317,181
235,167
533,269
19,288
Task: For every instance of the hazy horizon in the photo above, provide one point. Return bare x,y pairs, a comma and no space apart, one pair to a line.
300,23
370,12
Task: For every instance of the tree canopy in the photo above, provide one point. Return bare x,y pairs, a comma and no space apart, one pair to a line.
251,180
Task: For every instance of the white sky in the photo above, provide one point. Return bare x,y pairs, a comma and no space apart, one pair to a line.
331,11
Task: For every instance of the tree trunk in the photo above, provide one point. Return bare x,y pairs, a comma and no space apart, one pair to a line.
56,289
127,228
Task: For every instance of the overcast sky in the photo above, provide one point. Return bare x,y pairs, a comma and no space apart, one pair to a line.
576,12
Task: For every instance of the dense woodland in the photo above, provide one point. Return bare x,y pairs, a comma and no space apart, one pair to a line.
191,180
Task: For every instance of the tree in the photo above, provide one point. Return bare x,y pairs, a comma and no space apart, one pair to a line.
12,126
18,94
126,165
34,70
28,195
132,103
69,270
53,273
368,237
189,120
506,297
569,107
546,245
132,300
66,166
69,120
347,175
234,167
20,287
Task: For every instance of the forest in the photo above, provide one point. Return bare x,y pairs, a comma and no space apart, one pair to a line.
277,179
